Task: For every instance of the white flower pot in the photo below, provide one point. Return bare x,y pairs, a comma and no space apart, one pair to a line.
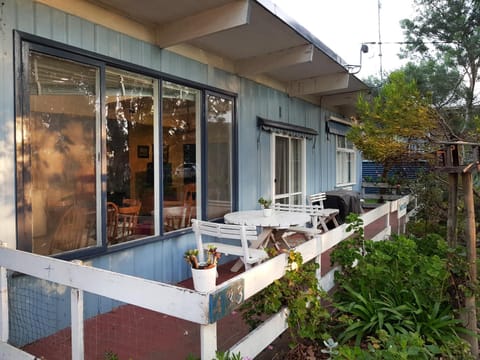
204,280
267,212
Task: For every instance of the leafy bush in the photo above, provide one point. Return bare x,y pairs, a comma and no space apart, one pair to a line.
299,291
401,286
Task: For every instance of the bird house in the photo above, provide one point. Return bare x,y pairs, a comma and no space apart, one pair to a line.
458,155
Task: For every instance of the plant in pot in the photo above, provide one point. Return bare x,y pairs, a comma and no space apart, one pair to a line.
265,204
204,273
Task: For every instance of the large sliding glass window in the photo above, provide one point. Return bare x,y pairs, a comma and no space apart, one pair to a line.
93,139
289,170
130,110
58,154
181,155
219,154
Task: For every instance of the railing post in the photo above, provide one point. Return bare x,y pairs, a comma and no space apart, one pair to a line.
208,341
76,303
4,304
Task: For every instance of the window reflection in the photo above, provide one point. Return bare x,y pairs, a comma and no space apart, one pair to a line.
59,155
130,110
181,114
219,153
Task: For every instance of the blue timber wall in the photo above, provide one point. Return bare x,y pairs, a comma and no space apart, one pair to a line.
160,260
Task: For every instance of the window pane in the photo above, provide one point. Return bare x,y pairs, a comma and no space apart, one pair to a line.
345,169
130,111
59,154
296,165
281,166
219,153
181,114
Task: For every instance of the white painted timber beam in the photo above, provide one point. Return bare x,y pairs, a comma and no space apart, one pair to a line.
275,60
233,14
341,99
321,84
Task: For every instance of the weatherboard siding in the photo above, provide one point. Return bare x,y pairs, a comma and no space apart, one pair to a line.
161,260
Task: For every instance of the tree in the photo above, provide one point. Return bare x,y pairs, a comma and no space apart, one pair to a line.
450,30
395,125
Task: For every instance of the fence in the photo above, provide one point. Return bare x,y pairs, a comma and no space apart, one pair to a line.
205,309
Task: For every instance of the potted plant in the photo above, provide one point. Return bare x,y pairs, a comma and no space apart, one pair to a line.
204,274
265,204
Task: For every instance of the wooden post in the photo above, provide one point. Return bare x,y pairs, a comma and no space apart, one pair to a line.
76,304
470,318
452,209
3,305
208,341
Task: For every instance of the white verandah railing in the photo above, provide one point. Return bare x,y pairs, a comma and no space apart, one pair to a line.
173,300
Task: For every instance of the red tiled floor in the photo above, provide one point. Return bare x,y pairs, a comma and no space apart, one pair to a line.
135,333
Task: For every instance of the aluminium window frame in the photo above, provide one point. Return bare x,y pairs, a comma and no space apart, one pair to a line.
23,42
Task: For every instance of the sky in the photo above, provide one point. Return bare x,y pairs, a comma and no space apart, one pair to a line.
343,25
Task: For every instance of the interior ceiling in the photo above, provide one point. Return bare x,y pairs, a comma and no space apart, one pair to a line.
257,38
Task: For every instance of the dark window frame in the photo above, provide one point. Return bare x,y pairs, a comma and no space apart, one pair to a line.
23,43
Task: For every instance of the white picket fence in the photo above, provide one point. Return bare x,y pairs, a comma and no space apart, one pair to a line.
170,299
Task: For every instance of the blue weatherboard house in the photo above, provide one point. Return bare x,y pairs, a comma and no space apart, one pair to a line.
122,121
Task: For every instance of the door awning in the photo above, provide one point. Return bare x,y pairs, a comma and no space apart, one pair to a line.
283,128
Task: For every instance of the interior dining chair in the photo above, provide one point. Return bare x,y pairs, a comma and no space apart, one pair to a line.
127,219
112,222
70,230
189,202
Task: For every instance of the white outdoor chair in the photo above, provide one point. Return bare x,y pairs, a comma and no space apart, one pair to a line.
316,214
236,237
328,214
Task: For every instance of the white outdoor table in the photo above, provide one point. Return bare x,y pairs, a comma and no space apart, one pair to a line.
278,220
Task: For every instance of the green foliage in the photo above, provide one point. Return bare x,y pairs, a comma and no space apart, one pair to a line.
220,355
365,314
402,346
349,251
110,355
299,291
450,30
394,120
402,286
264,203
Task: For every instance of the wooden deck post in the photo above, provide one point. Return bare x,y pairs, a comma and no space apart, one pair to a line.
470,318
208,341
452,209
76,303
4,304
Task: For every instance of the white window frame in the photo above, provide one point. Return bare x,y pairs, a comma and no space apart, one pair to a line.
345,162
290,194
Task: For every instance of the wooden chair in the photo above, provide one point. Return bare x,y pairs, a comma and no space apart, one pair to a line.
189,202
237,238
127,219
70,231
315,212
112,222
179,216
330,215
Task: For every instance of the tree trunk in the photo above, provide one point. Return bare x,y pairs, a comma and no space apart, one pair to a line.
470,319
